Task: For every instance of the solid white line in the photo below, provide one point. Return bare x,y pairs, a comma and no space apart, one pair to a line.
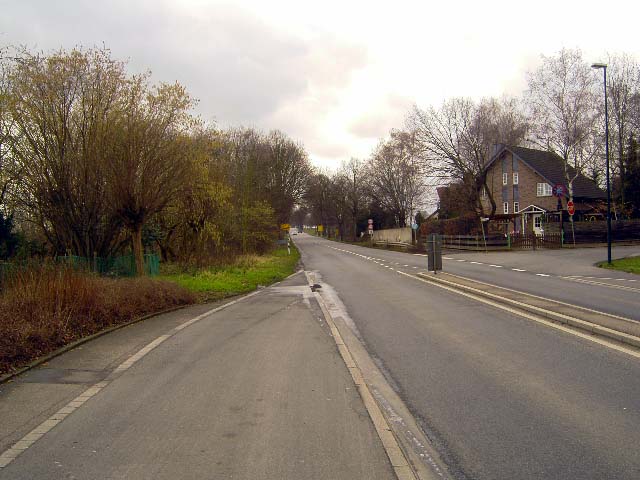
587,336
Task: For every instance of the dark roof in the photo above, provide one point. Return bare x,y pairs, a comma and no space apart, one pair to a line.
551,167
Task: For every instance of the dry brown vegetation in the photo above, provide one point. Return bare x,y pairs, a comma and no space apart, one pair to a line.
44,308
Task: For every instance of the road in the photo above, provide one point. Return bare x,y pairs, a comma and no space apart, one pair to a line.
499,396
256,390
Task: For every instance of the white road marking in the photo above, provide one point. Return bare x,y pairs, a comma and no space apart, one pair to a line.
405,265
477,263
460,260
447,258
34,435
421,254
496,266
518,269
587,336
542,275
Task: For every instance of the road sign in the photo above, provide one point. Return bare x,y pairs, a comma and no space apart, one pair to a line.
559,190
571,209
370,221
320,228
415,226
285,226
370,231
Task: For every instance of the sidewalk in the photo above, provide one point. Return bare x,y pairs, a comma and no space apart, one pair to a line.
257,390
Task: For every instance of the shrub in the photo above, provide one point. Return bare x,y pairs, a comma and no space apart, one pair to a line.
45,307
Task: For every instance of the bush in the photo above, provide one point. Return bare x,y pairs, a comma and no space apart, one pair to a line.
43,308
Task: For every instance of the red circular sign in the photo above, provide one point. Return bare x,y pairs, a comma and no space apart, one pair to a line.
571,208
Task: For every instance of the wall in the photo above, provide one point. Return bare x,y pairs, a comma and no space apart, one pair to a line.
393,235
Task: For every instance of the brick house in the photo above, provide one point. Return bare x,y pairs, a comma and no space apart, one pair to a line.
521,181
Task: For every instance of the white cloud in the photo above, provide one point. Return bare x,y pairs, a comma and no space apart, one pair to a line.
336,75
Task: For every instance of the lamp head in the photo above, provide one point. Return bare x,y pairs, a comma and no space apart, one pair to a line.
599,65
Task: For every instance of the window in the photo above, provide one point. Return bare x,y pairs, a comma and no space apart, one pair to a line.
505,178
543,190
505,207
515,178
483,192
537,221
516,207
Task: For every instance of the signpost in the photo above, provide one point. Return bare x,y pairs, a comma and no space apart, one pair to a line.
370,226
560,191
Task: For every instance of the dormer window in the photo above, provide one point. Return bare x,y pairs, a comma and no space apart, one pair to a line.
505,178
515,178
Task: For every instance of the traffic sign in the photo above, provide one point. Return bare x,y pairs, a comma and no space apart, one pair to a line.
285,226
370,221
571,209
559,190
415,226
370,231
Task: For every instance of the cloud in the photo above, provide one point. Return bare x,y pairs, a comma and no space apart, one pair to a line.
378,122
242,69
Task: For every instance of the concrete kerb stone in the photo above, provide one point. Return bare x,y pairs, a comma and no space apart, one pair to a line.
399,462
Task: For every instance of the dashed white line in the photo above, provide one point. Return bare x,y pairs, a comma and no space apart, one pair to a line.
518,269
496,266
477,263
542,275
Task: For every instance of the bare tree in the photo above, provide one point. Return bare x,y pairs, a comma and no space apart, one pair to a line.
624,87
456,141
564,113
354,172
396,176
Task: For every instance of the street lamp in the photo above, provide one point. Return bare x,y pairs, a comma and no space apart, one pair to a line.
603,66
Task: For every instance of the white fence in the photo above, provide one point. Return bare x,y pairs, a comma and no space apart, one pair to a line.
393,235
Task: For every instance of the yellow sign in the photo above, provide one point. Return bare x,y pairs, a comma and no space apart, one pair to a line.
320,228
285,226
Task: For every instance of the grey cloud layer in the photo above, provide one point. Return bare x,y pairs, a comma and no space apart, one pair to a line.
241,69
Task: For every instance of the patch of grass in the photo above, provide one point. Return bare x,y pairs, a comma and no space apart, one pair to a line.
241,276
630,265
46,307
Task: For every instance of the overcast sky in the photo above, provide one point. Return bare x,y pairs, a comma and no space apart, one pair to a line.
336,75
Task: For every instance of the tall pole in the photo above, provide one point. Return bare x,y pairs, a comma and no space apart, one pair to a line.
606,146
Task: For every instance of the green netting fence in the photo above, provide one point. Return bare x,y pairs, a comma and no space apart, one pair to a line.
123,266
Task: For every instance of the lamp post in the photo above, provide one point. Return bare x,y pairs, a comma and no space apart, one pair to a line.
603,66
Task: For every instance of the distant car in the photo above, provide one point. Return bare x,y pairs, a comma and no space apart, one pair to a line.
295,233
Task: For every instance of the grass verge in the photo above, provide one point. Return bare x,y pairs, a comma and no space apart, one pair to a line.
245,274
44,308
630,265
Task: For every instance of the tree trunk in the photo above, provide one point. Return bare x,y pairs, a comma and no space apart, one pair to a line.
136,239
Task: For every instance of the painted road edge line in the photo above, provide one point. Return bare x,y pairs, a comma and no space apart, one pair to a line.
37,433
521,313
399,462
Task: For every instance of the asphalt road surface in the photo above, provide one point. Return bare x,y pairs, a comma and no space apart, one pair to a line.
499,396
255,391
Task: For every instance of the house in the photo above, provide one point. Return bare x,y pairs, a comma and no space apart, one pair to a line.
521,182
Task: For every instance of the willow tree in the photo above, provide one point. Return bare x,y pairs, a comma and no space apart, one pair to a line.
62,108
151,154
